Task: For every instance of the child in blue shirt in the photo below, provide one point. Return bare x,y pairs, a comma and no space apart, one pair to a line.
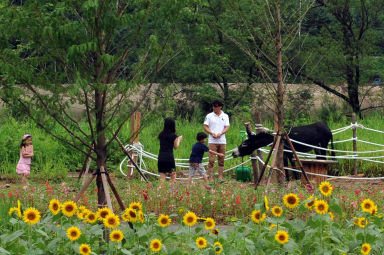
196,158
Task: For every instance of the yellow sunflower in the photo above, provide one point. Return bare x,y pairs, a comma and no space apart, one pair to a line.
218,247
132,215
367,205
141,217
116,236
181,211
73,233
277,211
331,216
31,216
190,219
111,221
282,237
69,208
215,231
54,206
137,206
102,213
266,203
164,220
291,200
311,202
321,206
209,223
362,222
272,226
365,248
201,242
374,210
91,217
84,249
257,217
155,245
325,188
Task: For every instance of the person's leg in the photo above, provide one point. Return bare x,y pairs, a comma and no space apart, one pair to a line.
221,149
191,174
211,162
173,177
162,178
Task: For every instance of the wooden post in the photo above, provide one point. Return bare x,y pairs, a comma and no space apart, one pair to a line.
274,160
354,143
106,189
86,170
134,138
265,164
258,129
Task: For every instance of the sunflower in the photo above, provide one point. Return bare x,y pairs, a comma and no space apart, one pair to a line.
84,249
137,206
362,222
102,213
190,219
331,216
374,210
164,220
132,215
116,236
272,226
141,217
257,217
69,208
201,242
282,237
277,211
218,247
365,248
54,206
155,245
367,205
291,200
91,217
180,211
209,223
266,203
215,231
31,216
321,206
311,202
325,188
73,233
111,221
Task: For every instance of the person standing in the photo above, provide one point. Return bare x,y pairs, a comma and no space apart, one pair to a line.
23,167
168,141
216,124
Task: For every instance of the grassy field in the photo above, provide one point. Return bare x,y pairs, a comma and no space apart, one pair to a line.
54,159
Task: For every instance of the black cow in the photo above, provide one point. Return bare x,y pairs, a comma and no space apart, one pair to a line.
317,134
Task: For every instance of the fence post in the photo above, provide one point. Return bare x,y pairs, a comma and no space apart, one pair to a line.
258,129
354,131
134,138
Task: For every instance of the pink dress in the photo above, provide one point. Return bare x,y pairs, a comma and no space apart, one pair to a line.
24,165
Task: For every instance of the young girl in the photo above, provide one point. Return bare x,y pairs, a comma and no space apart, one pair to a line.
26,153
168,141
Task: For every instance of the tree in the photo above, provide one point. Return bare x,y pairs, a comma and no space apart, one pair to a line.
91,53
341,35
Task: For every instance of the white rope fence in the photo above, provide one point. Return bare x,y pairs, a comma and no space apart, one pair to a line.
138,149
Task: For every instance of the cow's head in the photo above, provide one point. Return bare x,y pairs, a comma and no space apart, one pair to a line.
252,143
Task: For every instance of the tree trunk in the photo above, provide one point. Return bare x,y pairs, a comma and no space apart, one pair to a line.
279,109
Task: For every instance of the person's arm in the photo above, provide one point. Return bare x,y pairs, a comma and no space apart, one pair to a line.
176,143
26,154
216,153
206,129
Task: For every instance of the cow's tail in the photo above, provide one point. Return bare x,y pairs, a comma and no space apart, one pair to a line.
333,152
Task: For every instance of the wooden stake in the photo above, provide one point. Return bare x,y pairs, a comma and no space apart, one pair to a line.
265,163
275,148
106,189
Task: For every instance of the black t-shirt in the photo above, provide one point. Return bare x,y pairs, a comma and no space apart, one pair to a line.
197,153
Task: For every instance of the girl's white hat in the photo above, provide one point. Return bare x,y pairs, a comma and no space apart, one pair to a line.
26,136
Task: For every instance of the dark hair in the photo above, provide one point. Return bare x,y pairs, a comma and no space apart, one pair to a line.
22,144
200,136
217,103
169,128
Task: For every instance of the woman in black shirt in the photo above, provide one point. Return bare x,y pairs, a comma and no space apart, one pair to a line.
168,141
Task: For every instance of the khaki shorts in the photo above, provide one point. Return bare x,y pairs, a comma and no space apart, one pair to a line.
196,167
220,148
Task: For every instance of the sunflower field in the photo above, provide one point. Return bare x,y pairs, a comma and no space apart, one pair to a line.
314,225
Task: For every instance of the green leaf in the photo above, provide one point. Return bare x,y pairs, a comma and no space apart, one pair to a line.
13,236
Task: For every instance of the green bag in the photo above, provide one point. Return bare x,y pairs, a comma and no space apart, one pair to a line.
243,173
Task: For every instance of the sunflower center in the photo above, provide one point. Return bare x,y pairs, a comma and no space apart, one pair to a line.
311,203
257,215
190,219
325,189
208,223
111,221
277,210
291,200
367,206
55,206
321,207
69,208
135,207
103,214
91,216
164,221
31,216
281,237
116,236
132,214
201,242
156,245
74,233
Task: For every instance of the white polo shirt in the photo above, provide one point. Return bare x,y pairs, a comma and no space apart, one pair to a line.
216,124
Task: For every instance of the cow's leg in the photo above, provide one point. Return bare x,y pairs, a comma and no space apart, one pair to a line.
296,175
320,153
285,159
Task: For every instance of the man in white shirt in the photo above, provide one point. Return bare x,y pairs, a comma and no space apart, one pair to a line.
216,124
